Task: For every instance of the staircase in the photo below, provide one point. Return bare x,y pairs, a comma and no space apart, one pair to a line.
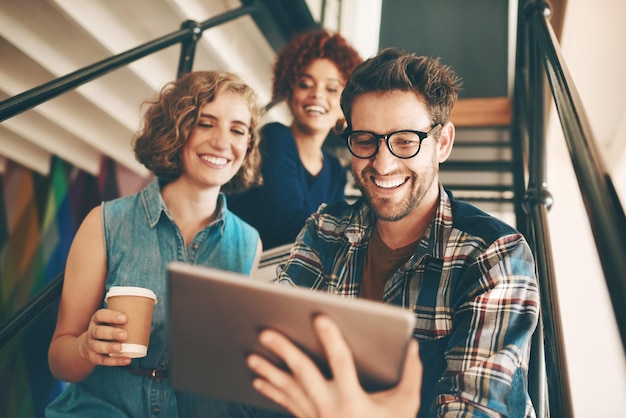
480,170
44,39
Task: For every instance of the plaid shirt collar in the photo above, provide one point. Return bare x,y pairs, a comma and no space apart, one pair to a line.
438,231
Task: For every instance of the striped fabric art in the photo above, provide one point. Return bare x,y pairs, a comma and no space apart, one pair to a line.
39,217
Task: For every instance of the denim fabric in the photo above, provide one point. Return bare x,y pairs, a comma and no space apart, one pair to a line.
141,238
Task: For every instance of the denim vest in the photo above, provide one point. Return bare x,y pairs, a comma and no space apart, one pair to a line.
140,239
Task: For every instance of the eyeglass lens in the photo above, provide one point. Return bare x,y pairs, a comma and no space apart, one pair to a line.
403,144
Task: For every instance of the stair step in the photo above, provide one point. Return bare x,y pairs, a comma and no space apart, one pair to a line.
483,165
480,144
500,188
483,199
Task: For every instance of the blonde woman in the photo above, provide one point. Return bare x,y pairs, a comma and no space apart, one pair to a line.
199,139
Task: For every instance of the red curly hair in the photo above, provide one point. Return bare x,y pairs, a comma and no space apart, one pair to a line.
303,49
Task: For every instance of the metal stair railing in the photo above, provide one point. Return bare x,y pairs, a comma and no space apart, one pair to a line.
539,58
268,15
187,36
46,297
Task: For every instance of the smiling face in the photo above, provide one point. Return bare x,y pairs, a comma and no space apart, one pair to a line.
217,145
394,187
314,101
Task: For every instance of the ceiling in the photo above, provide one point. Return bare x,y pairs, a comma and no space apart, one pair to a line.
44,39
474,39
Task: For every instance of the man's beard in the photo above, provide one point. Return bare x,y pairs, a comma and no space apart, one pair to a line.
384,209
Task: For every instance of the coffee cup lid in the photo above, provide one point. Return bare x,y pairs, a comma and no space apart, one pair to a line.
130,291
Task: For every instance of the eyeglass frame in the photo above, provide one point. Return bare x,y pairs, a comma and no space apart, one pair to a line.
421,135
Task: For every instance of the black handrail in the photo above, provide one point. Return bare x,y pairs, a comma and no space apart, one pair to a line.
602,204
186,36
538,57
46,297
262,12
530,109
524,204
537,203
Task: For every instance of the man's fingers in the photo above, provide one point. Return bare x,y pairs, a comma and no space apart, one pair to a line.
337,352
268,371
277,385
293,386
302,368
305,392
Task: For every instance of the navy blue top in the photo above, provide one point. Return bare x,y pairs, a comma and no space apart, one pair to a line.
279,208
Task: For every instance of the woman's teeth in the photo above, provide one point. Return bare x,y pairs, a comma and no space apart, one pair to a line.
315,109
214,160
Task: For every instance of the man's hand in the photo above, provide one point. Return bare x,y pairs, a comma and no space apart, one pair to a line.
306,393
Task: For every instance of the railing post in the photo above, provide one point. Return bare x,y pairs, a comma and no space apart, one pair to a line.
537,203
188,47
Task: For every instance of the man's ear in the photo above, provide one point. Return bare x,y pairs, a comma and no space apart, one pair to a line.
340,126
446,140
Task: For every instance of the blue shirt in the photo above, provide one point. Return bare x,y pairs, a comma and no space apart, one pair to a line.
471,284
140,239
290,194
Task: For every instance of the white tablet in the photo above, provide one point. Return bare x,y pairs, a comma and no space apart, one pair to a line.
215,317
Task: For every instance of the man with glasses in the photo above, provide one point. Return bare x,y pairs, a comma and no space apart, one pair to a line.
468,277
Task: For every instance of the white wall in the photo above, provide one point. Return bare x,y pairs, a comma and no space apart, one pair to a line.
597,62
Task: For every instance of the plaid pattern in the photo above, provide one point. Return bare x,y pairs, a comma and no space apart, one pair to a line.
471,284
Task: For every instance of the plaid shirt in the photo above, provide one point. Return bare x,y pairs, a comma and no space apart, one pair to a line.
471,284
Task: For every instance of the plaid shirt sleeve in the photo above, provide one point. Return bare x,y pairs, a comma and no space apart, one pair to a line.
304,267
322,258
495,308
475,298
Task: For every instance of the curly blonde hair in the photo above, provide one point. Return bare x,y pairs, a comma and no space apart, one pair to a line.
174,113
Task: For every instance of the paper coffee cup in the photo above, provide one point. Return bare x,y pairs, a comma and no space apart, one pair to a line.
137,303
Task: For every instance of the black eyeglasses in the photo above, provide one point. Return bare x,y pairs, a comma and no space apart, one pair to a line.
403,144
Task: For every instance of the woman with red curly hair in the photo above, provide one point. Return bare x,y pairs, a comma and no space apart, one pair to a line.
309,74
